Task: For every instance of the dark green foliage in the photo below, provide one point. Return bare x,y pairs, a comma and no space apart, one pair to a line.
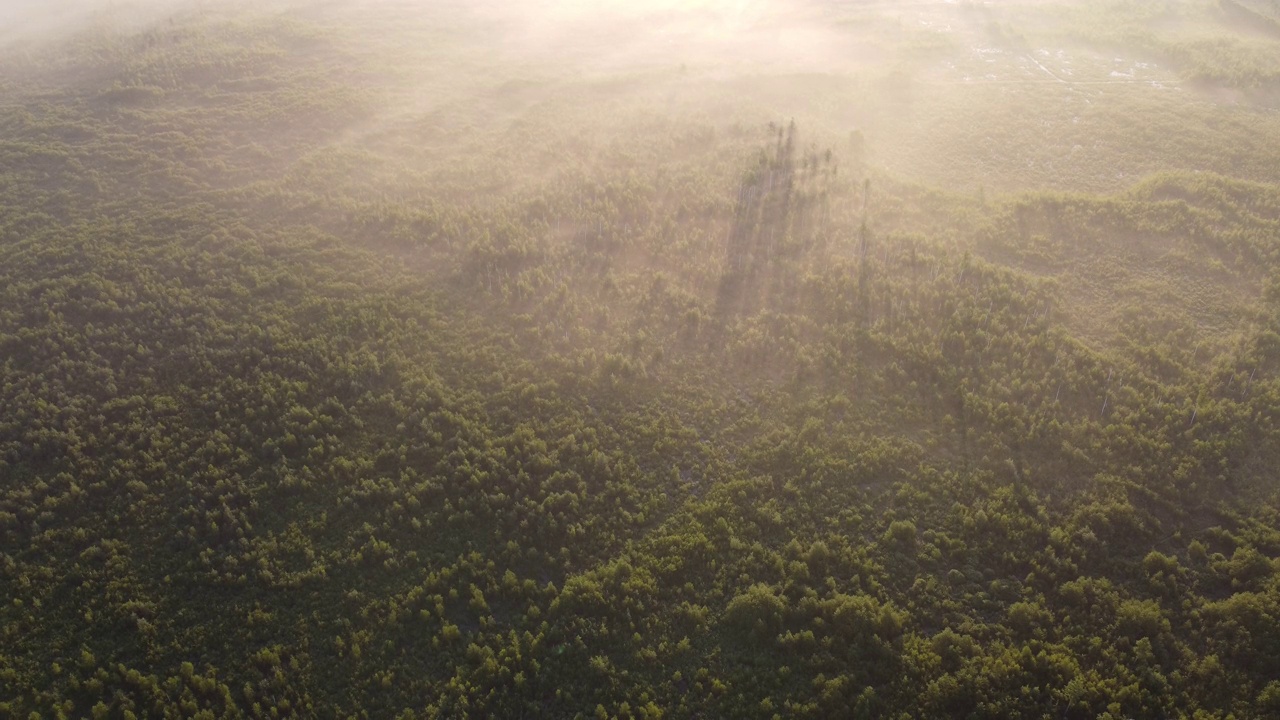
690,425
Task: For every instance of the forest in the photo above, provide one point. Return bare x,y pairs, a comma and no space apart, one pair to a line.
637,360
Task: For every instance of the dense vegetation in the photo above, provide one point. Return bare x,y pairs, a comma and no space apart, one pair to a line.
318,398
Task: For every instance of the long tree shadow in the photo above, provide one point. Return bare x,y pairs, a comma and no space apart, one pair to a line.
781,209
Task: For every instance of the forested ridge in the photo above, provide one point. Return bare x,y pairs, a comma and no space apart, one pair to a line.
546,403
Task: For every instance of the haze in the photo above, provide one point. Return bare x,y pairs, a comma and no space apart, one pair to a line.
640,360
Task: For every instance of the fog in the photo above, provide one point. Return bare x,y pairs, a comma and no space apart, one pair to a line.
28,23
964,94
